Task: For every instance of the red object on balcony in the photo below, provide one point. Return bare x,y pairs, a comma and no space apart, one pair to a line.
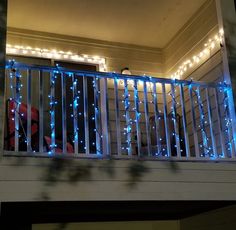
59,147
10,138
11,107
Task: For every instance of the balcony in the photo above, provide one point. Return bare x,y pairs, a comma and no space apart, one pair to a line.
54,111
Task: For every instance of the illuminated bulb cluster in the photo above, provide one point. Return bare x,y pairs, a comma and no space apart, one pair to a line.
202,126
76,113
136,98
16,86
126,101
16,97
52,105
54,54
96,116
152,89
228,121
75,105
209,46
129,121
174,118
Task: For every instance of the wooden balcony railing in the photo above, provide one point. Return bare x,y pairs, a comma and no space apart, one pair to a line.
56,111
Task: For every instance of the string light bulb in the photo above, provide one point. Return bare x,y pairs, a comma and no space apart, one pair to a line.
59,55
210,45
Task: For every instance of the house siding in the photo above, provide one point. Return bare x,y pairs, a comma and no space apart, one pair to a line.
32,179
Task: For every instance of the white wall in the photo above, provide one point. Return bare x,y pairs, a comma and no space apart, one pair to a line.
26,179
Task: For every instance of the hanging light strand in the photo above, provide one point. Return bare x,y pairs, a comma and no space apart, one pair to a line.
228,121
128,128
205,145
52,105
16,88
174,117
96,116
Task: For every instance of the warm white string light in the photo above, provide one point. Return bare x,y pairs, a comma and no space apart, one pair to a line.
54,54
209,46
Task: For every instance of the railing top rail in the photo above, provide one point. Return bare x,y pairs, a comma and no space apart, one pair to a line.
113,75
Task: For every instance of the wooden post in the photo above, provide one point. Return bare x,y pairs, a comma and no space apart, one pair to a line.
3,29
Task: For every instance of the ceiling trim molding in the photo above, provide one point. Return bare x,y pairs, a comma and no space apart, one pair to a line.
189,23
31,34
186,55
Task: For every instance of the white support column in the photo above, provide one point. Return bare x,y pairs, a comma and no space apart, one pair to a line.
226,13
3,29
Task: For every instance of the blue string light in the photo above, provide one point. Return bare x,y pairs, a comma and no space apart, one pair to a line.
174,118
228,122
16,88
75,105
128,128
157,118
205,145
52,104
96,116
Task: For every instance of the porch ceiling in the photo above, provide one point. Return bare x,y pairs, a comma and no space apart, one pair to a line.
150,23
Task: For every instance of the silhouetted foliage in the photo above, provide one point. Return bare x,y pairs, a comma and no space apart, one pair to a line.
135,172
61,226
108,167
79,172
63,169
